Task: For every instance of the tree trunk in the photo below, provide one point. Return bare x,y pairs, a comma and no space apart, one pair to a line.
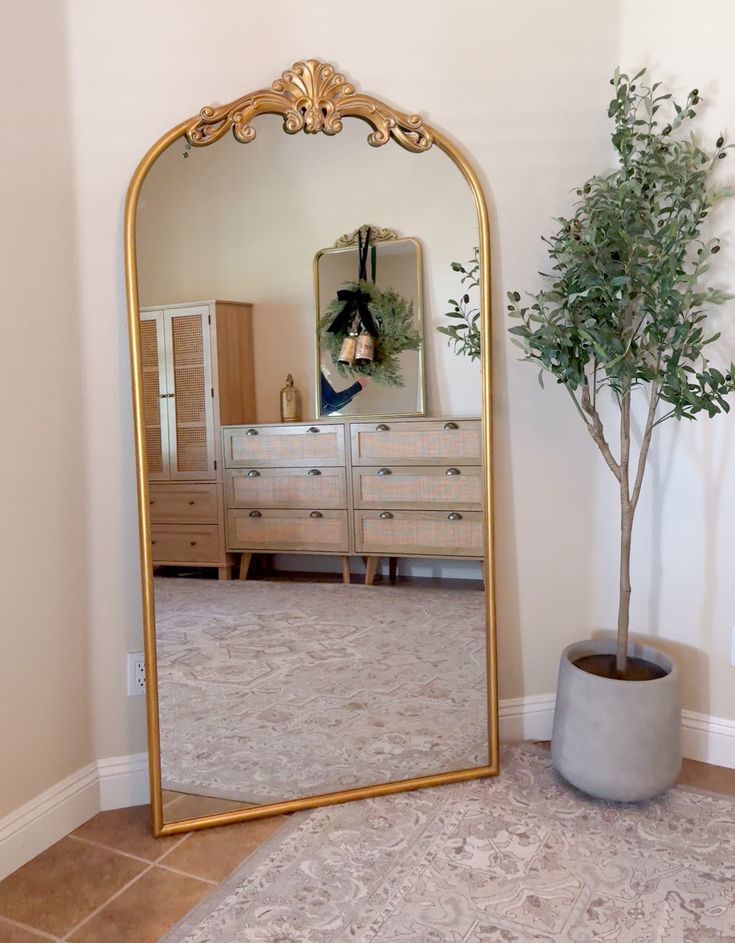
626,532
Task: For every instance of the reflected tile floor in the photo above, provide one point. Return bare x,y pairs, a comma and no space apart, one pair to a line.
110,881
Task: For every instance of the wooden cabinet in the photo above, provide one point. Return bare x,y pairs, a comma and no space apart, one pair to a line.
197,362
411,487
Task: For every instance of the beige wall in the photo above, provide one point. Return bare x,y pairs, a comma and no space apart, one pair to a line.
45,727
685,551
524,87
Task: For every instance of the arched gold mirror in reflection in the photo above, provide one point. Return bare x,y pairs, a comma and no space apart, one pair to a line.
318,595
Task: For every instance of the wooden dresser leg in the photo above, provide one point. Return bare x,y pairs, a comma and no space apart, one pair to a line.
245,559
393,568
370,570
224,572
346,569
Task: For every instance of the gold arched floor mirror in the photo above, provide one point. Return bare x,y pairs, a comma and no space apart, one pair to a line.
318,592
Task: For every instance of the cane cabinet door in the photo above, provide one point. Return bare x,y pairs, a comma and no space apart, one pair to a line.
155,392
190,393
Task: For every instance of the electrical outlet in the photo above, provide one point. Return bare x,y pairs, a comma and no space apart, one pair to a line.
136,673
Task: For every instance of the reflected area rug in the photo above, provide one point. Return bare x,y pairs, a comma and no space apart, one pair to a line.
276,690
523,858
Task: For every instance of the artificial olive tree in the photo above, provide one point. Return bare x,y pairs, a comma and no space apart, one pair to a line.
625,309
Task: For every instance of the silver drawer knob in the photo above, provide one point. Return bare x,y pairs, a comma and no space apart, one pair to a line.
386,516
255,514
381,427
450,425
454,516
253,473
316,514
313,472
453,471
312,429
252,432
384,471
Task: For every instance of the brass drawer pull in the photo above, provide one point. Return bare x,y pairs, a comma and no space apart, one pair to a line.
386,516
381,427
454,516
191,503
253,473
153,543
252,432
384,471
453,471
313,472
255,514
151,502
312,429
450,425
166,395
316,514
192,543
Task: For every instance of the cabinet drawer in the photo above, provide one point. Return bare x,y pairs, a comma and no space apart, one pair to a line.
183,503
423,533
311,531
324,487
425,442
186,543
285,445
430,487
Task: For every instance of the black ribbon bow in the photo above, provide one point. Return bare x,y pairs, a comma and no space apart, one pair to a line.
355,304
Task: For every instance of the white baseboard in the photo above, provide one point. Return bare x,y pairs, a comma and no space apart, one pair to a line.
120,781
123,781
40,823
709,739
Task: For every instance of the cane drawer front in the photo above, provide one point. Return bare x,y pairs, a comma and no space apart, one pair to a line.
301,445
419,487
324,487
420,533
313,531
183,503
424,442
186,543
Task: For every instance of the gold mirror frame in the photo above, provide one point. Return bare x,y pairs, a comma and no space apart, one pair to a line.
311,97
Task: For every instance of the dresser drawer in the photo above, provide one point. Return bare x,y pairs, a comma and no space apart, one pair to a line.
420,533
430,487
284,445
426,442
186,543
182,503
324,487
311,531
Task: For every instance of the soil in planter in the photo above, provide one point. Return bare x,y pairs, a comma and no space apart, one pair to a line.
638,669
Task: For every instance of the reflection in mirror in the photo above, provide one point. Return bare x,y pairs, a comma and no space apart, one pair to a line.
370,330
280,677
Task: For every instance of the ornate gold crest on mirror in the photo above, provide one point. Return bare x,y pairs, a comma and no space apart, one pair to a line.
280,691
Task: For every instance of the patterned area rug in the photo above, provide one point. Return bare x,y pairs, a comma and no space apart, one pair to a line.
275,690
523,858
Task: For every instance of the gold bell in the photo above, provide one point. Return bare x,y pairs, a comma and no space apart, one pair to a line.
364,349
347,351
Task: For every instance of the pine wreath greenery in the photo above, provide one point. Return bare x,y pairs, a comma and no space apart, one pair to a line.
393,316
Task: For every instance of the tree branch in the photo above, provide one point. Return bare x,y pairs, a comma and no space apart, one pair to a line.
645,444
596,429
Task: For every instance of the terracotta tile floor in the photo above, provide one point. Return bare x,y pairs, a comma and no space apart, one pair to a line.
110,882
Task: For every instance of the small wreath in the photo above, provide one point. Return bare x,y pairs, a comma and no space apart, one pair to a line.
390,322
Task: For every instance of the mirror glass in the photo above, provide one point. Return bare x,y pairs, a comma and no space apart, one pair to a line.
281,674
381,382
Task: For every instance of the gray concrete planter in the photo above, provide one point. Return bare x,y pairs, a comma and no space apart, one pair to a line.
617,739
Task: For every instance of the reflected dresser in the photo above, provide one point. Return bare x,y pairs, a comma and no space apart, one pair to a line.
197,364
400,488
